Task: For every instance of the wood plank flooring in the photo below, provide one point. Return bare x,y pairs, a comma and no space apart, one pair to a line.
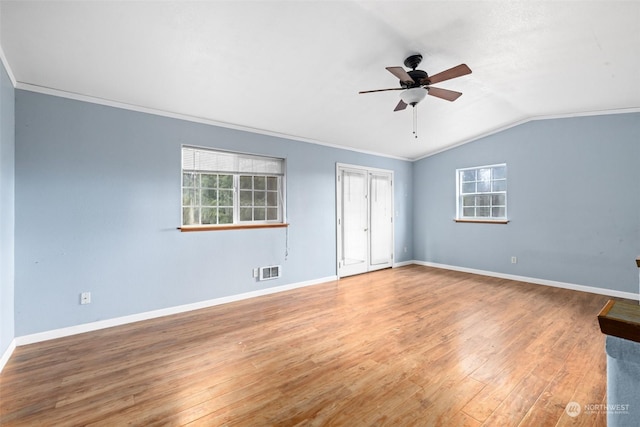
410,346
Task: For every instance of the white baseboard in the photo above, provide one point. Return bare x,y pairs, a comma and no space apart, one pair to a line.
7,354
108,323
545,282
94,326
403,263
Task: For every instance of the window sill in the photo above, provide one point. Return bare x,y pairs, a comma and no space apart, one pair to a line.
483,221
189,228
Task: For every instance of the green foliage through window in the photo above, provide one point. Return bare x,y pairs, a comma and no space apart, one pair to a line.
221,188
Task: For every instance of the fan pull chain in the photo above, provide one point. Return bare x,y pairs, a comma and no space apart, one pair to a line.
415,122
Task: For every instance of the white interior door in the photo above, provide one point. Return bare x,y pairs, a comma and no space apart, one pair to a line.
364,219
353,221
380,221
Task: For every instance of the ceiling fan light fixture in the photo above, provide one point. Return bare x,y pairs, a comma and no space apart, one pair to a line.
413,95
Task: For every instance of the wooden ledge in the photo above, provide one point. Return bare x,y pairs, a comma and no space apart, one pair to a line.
229,227
483,221
620,319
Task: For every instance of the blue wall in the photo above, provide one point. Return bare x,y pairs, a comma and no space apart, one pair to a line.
573,203
97,206
97,193
7,197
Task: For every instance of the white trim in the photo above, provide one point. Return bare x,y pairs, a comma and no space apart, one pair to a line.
368,171
7,354
362,168
527,120
460,195
545,282
102,324
403,263
202,120
109,103
108,323
5,62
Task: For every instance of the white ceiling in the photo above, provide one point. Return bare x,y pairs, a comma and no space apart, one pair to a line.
295,67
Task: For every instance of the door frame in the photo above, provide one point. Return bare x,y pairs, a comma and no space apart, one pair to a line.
368,171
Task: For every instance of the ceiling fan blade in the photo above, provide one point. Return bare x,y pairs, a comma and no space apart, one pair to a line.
401,106
381,90
400,73
451,73
449,95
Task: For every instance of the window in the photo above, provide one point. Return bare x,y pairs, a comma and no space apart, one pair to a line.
482,193
223,188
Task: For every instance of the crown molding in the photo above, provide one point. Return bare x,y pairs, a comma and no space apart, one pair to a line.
110,103
140,109
532,119
5,63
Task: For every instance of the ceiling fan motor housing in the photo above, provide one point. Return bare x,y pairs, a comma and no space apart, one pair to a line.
413,61
419,78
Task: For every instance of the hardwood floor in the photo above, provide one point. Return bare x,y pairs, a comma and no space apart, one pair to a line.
411,346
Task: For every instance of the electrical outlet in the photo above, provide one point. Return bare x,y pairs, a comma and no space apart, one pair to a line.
85,298
255,273
514,260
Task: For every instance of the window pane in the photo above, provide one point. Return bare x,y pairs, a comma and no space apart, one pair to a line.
246,214
484,186
225,181
500,185
209,216
225,216
483,200
272,214
259,183
469,188
209,180
468,175
483,212
246,182
246,198
499,172
209,197
190,216
259,198
189,197
225,198
482,192
216,183
272,183
272,198
189,179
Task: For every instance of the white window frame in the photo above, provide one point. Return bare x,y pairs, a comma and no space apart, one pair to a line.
497,189
200,161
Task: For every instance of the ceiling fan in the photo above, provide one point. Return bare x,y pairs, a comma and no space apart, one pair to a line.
416,84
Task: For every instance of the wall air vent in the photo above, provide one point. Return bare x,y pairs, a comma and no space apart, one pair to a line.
270,272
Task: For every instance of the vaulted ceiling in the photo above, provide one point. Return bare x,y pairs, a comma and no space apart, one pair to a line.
294,68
